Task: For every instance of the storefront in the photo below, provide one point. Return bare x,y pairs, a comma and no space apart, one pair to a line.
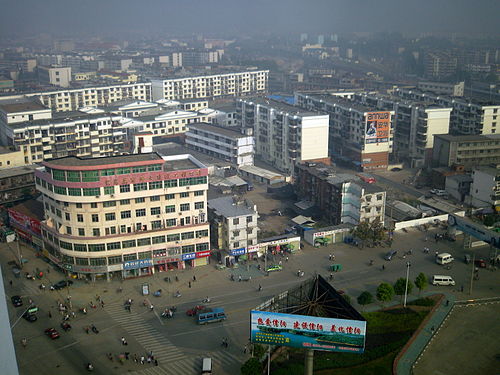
328,235
86,272
166,263
202,258
280,245
137,268
27,227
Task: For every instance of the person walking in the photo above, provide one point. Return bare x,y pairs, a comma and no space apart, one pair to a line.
194,278
189,284
330,257
10,282
245,349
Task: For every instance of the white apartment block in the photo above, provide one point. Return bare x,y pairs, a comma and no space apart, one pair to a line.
221,143
233,223
124,216
57,76
284,134
211,86
485,187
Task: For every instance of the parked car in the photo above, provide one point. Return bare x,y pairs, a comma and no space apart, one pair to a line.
16,301
274,267
480,263
52,333
439,192
396,169
61,284
391,254
30,317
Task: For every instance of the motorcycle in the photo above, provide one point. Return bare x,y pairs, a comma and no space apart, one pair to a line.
89,367
178,294
157,293
260,288
94,329
300,273
371,262
206,300
167,314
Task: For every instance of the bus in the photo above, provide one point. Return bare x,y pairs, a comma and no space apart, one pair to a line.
367,178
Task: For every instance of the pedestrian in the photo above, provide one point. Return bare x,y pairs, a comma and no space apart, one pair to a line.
280,263
383,267
194,278
447,302
135,358
151,307
48,270
123,340
462,288
245,348
156,362
176,278
190,284
50,314
286,259
10,282
73,314
149,359
432,329
239,278
24,342
330,257
127,355
102,304
142,360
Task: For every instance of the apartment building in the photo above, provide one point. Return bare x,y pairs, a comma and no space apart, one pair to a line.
360,135
341,198
485,187
284,134
54,75
467,116
451,89
440,64
233,223
222,143
211,86
416,123
124,216
466,150
16,183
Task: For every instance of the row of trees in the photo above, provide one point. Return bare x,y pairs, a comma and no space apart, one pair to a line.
385,291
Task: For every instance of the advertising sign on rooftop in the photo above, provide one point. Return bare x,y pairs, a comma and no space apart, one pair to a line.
308,332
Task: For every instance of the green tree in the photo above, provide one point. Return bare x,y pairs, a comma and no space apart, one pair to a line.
251,367
385,292
421,282
373,232
400,286
365,298
346,298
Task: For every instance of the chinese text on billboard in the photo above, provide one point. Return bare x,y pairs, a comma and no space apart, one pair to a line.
377,127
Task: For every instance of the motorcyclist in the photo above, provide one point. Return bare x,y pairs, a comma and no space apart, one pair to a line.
260,287
89,366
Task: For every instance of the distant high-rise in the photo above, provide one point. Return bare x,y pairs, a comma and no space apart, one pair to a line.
321,39
303,37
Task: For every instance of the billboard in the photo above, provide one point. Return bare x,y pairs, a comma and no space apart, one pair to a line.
308,332
377,127
474,229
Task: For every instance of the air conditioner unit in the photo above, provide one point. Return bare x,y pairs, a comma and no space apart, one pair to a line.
157,215
97,196
112,195
187,187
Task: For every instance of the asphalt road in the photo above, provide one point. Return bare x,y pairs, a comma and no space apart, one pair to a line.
180,343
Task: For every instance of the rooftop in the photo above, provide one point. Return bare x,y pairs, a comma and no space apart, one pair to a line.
32,208
231,207
17,171
345,103
469,138
20,105
75,161
216,129
281,106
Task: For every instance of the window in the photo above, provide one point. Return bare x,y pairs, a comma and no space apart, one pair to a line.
184,206
108,172
170,209
73,176
236,233
187,235
127,257
75,192
154,198
202,246
96,232
158,239
144,255
140,200
198,193
68,230
140,212
236,244
169,196
79,218
109,189
66,245
95,218
202,233
124,188
188,249
144,241
90,176
125,201
141,186
156,167
97,261
236,221
109,204
79,205
67,216
170,183
249,219
110,216
80,247
155,210
97,247
199,205
82,261
110,230
123,171
115,260
184,194
60,190
156,224
127,244
88,192
58,175
93,205
171,222
125,214
155,185
138,169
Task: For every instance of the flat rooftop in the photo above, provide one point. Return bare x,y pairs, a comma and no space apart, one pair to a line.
282,107
17,171
216,129
345,103
470,138
229,207
75,161
20,105
179,165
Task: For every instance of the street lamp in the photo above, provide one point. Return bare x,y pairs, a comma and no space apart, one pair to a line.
406,286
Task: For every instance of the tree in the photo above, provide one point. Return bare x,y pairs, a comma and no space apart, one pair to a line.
373,231
346,298
251,367
421,282
400,287
385,292
365,298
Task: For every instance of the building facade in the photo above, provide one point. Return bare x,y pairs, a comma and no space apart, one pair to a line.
284,134
221,143
16,183
211,86
485,188
57,76
124,216
341,198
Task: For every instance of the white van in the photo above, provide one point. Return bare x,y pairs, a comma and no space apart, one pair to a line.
442,280
444,258
206,366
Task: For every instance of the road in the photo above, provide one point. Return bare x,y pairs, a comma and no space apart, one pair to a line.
179,343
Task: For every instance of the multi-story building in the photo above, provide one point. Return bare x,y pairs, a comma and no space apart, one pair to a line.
222,143
416,123
485,188
124,216
211,86
467,116
54,75
284,134
466,150
359,134
16,183
440,64
341,198
451,89
233,223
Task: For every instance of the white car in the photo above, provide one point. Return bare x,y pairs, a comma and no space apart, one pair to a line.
439,192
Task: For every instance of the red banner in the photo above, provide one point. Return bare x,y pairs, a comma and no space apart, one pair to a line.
25,221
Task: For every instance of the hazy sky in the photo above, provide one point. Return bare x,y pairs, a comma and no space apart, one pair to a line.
207,16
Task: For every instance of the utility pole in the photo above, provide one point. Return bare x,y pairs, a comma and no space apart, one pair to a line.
472,272
19,252
406,287
309,362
